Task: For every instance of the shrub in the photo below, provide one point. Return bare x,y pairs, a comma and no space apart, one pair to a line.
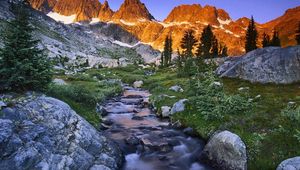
212,102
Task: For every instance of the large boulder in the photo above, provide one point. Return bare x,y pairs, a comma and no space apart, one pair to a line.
267,65
45,133
290,164
226,151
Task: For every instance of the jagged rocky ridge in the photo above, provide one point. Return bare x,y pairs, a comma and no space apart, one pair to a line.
101,44
134,17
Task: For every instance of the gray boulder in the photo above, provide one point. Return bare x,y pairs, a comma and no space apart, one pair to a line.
267,65
227,151
178,106
45,133
176,88
290,164
165,111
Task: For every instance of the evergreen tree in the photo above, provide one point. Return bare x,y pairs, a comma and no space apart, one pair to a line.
298,34
162,58
251,36
206,41
22,65
166,55
215,47
223,51
275,39
188,43
179,64
266,40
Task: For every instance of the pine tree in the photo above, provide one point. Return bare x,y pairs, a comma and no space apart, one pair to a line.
22,65
215,47
206,42
298,34
223,51
275,39
179,64
162,58
188,43
251,36
266,40
166,55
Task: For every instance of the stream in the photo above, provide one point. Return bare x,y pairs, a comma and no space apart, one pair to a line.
148,142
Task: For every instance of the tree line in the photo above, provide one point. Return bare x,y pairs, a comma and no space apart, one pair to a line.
208,46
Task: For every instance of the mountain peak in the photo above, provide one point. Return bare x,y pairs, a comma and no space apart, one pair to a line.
83,9
197,14
184,13
132,10
105,12
42,5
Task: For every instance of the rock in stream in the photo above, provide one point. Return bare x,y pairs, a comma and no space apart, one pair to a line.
148,142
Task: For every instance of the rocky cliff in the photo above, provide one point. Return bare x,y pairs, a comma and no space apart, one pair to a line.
134,17
268,65
44,133
132,10
102,44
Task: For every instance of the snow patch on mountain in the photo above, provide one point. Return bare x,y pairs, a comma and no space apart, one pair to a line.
95,20
127,23
62,18
125,44
170,24
224,22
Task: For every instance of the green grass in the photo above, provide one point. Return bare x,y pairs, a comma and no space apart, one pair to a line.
269,137
82,93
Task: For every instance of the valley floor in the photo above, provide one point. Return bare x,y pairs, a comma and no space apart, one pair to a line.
269,136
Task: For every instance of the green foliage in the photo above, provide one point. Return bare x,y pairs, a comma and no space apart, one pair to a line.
22,65
166,55
212,103
83,93
266,40
292,112
188,43
251,36
275,39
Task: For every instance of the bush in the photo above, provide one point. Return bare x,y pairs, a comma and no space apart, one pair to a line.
212,102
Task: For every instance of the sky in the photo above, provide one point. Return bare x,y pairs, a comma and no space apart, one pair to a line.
262,10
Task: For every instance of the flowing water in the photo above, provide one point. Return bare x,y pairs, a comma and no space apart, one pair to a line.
148,142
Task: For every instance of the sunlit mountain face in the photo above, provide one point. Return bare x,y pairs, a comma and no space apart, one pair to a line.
134,16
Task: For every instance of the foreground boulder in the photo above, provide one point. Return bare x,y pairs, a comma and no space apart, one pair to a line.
267,65
290,164
45,133
227,151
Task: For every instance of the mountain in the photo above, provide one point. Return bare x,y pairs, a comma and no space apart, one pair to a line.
105,12
287,24
132,10
84,9
134,17
101,44
43,5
